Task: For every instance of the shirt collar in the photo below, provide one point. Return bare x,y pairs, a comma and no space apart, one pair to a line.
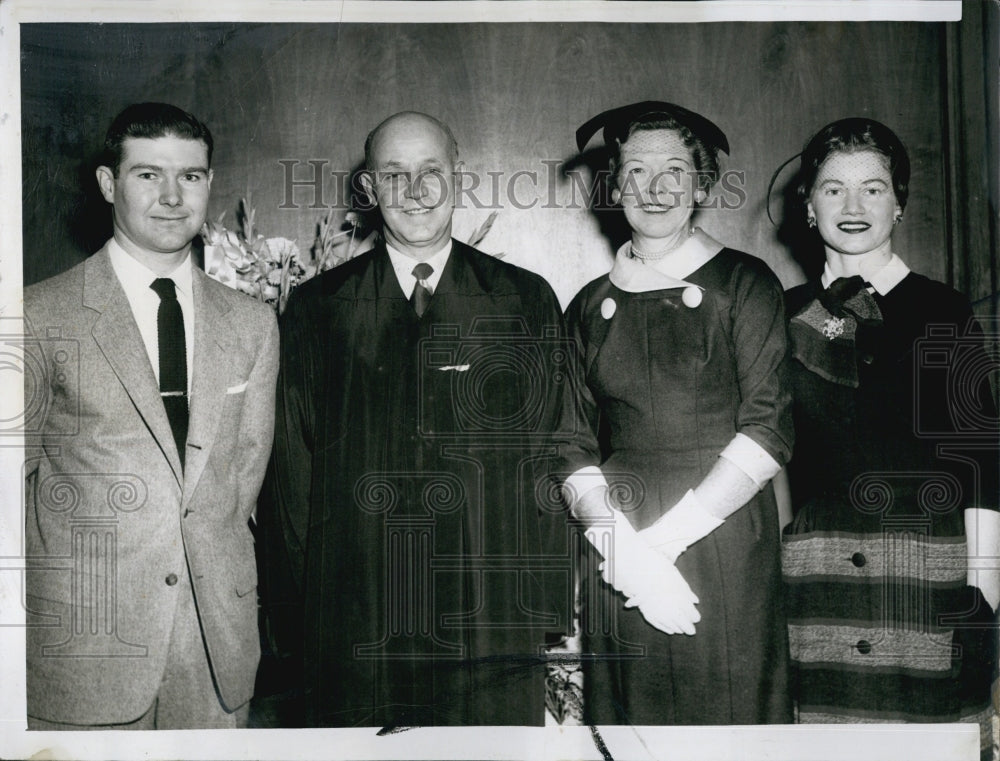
137,277
636,276
883,278
403,266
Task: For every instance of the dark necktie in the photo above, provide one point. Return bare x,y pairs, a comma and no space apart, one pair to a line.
422,291
173,360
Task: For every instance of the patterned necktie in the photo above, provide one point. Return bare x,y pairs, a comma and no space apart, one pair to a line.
422,291
173,360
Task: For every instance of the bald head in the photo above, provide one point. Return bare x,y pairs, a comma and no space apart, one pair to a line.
404,124
411,164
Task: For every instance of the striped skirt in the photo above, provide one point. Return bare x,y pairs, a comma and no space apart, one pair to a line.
882,628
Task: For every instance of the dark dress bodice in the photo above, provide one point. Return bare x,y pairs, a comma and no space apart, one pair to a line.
673,384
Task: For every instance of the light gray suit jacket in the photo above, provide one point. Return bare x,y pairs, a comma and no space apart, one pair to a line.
112,519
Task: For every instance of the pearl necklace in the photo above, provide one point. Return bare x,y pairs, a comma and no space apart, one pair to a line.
656,255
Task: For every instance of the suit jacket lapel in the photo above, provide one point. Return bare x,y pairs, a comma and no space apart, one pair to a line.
212,345
118,337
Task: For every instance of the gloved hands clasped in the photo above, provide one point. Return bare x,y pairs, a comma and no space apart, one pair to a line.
640,564
646,577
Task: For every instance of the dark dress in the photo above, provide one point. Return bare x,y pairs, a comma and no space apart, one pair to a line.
405,493
882,626
673,384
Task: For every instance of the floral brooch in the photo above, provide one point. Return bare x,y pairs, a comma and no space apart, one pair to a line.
833,327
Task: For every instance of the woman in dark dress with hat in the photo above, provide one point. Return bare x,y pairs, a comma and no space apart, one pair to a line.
894,475
684,351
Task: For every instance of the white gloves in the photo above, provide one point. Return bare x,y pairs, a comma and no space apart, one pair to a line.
644,575
671,606
680,527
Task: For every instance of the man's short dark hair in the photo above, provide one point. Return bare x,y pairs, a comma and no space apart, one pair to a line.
151,120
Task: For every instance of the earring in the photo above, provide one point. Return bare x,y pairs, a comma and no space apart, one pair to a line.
811,220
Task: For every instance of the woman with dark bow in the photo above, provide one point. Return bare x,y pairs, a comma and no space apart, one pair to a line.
894,476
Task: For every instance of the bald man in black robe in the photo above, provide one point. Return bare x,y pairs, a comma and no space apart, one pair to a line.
421,400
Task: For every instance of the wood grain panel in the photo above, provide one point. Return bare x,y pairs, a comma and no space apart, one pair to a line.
513,94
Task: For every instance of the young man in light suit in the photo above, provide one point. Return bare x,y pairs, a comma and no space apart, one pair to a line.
149,419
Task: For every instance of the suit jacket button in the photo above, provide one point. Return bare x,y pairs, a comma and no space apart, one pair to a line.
858,559
171,579
864,646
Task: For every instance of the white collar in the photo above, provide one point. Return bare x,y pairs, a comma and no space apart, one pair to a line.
636,276
883,278
403,266
137,277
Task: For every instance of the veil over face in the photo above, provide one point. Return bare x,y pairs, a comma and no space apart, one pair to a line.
657,187
853,202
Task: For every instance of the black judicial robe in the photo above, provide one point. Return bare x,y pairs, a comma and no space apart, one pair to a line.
410,493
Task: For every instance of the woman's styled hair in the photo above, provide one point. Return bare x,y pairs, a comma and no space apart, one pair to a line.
705,154
849,136
151,120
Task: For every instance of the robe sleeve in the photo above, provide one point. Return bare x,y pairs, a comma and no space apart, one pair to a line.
566,441
283,508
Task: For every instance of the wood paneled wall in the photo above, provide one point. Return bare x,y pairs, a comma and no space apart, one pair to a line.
513,94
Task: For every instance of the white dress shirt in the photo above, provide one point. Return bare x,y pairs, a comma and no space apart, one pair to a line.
403,266
135,279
